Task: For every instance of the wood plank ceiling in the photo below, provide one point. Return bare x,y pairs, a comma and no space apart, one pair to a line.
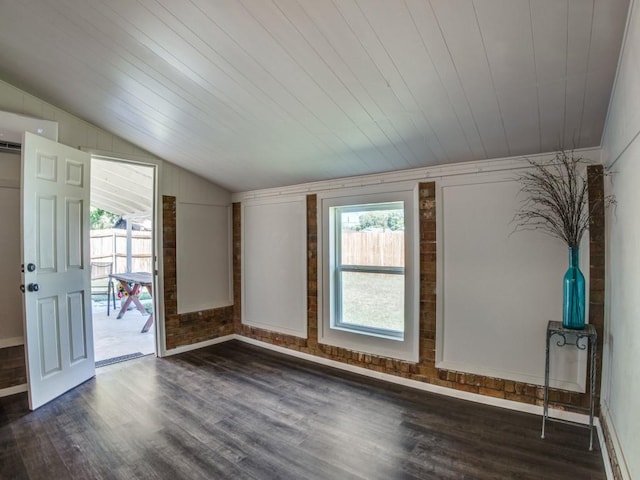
122,188
262,93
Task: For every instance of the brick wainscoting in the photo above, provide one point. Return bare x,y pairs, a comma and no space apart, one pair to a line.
13,369
193,327
595,177
425,370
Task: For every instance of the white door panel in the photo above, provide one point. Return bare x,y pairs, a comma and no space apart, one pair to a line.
55,239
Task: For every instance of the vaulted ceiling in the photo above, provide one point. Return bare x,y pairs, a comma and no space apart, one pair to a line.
262,93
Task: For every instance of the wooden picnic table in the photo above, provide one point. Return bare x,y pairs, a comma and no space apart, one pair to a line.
132,284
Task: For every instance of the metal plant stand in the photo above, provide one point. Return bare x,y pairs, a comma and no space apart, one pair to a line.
588,333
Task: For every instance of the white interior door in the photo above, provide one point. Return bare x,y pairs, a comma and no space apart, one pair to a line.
55,254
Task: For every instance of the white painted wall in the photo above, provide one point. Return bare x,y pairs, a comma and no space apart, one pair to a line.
11,331
185,186
499,288
274,265
621,155
203,259
203,240
499,291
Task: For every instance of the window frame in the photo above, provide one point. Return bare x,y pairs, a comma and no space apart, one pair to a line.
336,277
406,348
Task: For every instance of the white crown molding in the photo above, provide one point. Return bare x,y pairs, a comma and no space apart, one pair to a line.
414,174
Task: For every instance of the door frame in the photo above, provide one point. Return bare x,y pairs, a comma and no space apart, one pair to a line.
156,243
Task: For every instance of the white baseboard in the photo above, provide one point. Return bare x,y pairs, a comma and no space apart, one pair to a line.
5,392
603,450
195,346
474,397
11,342
614,442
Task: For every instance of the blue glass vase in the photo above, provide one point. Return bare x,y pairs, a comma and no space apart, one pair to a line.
573,293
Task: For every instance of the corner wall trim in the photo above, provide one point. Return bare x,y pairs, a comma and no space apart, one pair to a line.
613,440
603,450
5,392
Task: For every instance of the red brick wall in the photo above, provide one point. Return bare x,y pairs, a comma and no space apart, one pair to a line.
193,327
595,177
425,370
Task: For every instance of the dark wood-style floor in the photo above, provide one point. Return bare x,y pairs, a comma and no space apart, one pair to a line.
236,411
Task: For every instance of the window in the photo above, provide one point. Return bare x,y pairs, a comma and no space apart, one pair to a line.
368,277
368,262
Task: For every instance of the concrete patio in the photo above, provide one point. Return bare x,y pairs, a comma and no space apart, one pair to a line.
117,337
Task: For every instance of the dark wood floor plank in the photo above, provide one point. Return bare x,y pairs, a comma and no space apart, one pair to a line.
240,412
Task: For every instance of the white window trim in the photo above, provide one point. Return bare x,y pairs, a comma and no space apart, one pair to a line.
407,348
336,265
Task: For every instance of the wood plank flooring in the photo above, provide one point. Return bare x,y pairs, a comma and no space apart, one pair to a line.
234,411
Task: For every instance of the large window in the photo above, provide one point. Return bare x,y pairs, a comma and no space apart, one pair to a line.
368,263
368,277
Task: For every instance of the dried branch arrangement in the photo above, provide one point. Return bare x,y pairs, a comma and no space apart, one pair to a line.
557,198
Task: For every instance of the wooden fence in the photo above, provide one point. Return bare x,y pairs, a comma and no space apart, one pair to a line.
373,248
111,246
358,248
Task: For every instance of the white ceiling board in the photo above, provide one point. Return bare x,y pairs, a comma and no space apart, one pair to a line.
129,110
396,29
605,35
507,38
401,144
550,96
356,20
549,24
253,94
287,24
523,131
121,188
328,34
579,25
177,58
574,109
596,105
433,42
465,43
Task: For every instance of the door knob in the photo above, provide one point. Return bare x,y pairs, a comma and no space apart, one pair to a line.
31,267
33,287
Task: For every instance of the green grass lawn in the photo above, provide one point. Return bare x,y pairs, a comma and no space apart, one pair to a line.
373,300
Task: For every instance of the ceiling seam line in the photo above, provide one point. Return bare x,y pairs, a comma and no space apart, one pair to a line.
446,91
493,83
381,73
586,74
455,67
404,82
535,69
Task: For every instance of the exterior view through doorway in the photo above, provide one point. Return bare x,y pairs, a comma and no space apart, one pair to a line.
122,259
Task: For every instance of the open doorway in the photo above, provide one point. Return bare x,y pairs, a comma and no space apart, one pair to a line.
122,259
